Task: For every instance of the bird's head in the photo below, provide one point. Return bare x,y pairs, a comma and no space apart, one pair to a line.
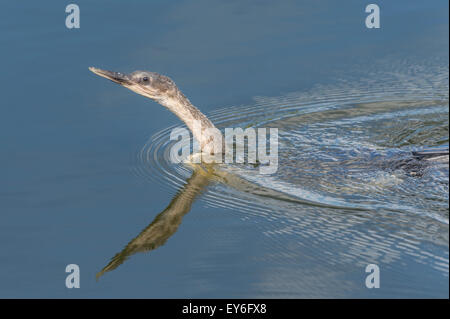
149,84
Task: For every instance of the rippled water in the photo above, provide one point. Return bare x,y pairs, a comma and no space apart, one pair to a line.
338,195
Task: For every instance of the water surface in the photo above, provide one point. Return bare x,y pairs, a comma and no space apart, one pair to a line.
86,177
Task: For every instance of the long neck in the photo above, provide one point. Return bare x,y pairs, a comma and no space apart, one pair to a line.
195,120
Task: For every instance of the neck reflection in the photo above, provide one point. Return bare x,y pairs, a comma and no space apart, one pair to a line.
166,223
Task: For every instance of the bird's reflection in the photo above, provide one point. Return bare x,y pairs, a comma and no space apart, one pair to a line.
166,223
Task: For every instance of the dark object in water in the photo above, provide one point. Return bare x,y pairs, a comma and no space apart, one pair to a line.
420,160
437,154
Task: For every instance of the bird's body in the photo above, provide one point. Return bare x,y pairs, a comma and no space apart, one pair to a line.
163,90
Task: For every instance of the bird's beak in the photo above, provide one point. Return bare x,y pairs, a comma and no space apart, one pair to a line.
116,77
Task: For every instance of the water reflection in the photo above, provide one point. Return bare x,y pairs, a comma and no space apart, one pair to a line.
167,222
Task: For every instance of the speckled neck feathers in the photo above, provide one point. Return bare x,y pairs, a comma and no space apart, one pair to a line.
190,115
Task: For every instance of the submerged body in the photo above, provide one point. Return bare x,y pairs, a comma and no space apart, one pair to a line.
437,154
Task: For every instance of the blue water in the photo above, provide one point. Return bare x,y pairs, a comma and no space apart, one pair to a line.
74,187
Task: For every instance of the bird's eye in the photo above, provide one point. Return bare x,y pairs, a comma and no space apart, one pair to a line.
145,79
